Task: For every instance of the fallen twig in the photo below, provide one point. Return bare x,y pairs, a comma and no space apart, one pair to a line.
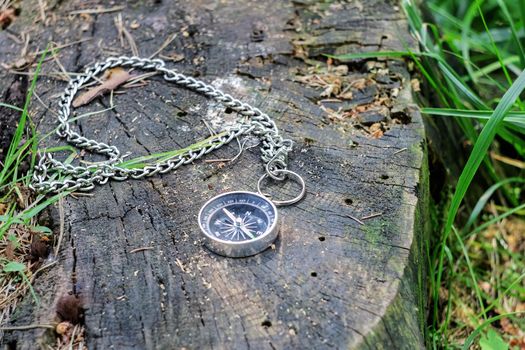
119,23
95,11
61,229
356,219
42,7
400,150
136,250
62,46
29,326
164,45
371,216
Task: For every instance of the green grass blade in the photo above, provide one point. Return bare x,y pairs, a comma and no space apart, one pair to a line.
374,54
522,13
475,285
515,118
494,220
496,51
142,161
512,285
485,198
28,214
513,30
457,82
492,67
477,331
31,290
517,141
482,145
11,106
465,47
10,157
476,157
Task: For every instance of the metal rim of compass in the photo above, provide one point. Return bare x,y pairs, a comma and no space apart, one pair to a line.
240,248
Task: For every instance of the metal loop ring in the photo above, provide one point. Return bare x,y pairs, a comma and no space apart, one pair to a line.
285,173
272,170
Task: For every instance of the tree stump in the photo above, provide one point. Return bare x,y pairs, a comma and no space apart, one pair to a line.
348,269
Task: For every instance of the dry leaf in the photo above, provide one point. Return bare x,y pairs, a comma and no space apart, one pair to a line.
508,327
361,108
376,130
518,343
22,198
112,79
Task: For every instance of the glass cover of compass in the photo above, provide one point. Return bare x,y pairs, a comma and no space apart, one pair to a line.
238,224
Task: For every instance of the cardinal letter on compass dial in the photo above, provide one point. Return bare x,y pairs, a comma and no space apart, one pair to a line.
235,218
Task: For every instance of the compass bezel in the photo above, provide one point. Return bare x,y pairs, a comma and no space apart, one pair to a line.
239,248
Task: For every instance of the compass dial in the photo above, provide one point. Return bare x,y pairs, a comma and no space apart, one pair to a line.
238,223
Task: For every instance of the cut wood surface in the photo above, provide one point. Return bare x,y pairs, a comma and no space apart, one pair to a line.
348,269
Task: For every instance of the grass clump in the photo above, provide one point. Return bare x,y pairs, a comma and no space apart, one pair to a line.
19,230
478,291
471,59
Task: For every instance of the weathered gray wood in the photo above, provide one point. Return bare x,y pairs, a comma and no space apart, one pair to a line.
330,282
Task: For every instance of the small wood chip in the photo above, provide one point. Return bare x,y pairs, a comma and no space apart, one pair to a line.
63,327
112,79
175,57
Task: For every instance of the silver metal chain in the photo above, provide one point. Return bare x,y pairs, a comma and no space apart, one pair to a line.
52,175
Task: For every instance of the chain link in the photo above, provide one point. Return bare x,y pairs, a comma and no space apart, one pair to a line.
52,175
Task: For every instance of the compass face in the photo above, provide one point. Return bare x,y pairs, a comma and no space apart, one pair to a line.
238,223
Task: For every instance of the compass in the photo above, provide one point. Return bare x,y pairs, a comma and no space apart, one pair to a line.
238,224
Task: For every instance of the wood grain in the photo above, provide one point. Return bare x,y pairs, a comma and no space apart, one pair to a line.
329,282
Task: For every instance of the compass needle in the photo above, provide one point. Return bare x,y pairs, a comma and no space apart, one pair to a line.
245,230
229,214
